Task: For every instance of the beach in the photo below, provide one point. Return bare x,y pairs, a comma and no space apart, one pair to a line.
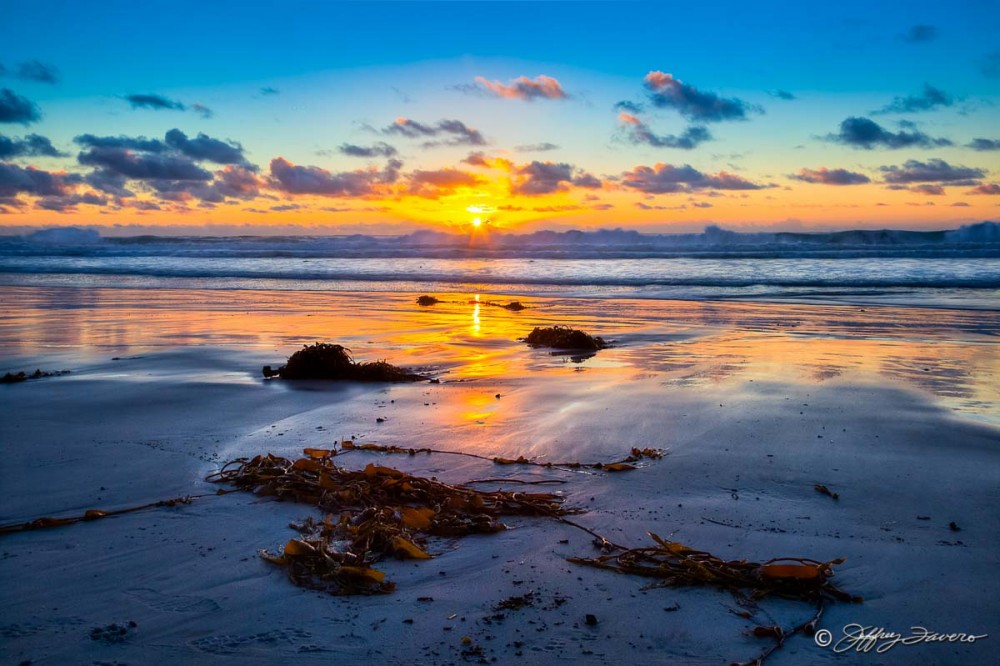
753,403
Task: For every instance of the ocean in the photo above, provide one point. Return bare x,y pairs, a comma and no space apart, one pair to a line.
959,268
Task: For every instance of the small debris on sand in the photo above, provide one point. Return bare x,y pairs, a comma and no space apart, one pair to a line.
823,490
113,633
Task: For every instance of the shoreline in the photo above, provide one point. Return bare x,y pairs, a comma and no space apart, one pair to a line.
753,412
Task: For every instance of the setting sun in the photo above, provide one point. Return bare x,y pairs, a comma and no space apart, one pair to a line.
477,222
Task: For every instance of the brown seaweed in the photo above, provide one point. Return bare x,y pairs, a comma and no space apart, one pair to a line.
623,465
329,361
373,513
675,564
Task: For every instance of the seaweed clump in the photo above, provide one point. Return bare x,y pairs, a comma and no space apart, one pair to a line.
513,306
10,378
372,514
426,300
329,361
564,337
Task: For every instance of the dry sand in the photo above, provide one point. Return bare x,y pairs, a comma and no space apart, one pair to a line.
893,408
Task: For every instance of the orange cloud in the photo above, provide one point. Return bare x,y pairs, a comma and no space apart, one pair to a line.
628,119
541,87
437,183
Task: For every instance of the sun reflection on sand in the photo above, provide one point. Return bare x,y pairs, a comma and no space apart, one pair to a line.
475,318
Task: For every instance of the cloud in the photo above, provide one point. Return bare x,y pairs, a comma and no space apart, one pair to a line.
537,178
644,206
930,99
667,178
984,144
542,178
541,87
237,182
68,202
296,179
268,90
638,132
202,110
931,171
17,109
121,141
481,159
434,183
38,72
155,102
919,34
826,176
628,107
204,147
985,188
455,132
33,145
143,166
989,65
928,189
232,182
444,178
867,134
666,92
781,94
15,180
379,149
108,151
586,180
109,182
536,147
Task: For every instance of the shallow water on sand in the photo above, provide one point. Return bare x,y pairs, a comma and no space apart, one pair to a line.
950,356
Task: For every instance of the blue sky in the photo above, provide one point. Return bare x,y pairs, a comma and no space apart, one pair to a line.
298,80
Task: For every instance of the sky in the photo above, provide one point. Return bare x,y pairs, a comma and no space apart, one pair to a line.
385,117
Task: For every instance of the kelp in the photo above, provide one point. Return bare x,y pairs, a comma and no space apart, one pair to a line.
329,361
373,513
22,376
426,301
90,515
675,564
564,337
513,306
378,512
622,465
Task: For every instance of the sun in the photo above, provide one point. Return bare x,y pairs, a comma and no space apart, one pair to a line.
477,222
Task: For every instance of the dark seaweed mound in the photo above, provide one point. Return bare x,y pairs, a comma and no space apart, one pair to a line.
564,337
328,361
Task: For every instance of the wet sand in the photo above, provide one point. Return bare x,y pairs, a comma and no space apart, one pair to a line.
892,408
